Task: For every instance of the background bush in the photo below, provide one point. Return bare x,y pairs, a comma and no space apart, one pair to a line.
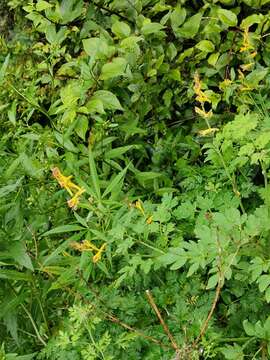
159,111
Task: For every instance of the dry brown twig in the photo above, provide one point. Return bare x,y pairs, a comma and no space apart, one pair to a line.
165,327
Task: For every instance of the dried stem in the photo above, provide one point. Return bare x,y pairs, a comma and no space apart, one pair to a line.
165,327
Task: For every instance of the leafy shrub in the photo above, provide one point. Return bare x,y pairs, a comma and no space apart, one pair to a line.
135,188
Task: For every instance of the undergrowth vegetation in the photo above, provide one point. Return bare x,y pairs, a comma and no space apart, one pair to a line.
134,195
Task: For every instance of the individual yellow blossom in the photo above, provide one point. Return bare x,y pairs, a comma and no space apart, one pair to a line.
246,46
64,181
85,245
149,220
201,97
207,132
245,67
227,82
203,113
138,205
253,54
241,74
74,201
97,257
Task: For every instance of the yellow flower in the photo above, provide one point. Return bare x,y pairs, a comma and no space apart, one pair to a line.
149,220
138,205
208,131
85,245
203,113
246,41
245,67
97,257
64,181
74,201
201,97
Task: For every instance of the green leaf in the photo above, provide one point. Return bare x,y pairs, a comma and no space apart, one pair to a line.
12,112
151,28
5,190
190,27
178,17
14,275
121,29
81,126
95,106
117,152
93,173
18,252
267,295
176,256
114,182
63,229
108,99
115,68
43,5
249,328
264,282
227,17
96,48
212,281
205,46
252,19
4,68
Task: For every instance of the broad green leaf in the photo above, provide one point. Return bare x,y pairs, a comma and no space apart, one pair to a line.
190,27
249,328
234,352
252,19
176,257
63,229
227,17
205,46
178,16
95,106
18,252
121,29
43,5
96,48
93,173
151,28
109,100
115,68
264,282
212,281
81,126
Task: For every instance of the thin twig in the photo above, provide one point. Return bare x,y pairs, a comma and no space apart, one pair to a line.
165,327
112,12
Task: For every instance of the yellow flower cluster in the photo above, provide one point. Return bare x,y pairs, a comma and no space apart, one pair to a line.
86,245
139,206
250,53
65,182
201,97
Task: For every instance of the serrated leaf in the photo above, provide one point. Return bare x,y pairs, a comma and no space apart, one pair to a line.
249,328
264,282
96,48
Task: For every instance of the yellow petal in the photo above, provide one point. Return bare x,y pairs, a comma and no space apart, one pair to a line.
207,132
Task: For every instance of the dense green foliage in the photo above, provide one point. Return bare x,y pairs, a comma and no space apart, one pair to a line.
159,110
